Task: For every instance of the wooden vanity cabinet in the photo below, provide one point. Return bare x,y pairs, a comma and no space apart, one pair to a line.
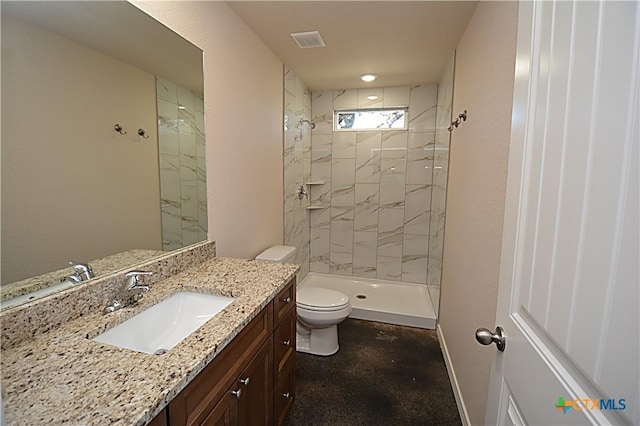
284,350
160,419
248,401
224,413
240,386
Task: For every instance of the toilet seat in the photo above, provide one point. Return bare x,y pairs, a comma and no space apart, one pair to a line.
321,299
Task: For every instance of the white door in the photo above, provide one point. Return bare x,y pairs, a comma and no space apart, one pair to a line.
569,285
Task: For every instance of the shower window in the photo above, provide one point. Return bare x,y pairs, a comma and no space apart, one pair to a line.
371,119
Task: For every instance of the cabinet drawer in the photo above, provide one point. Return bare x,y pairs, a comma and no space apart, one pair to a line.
285,300
284,340
285,392
195,402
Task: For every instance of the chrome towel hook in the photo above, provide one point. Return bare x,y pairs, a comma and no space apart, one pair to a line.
455,123
142,133
118,128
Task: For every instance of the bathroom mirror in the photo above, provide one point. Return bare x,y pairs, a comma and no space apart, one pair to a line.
102,139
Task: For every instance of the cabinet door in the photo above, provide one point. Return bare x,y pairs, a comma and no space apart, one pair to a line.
225,413
256,382
284,342
285,392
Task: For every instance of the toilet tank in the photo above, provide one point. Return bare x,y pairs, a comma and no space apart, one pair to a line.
278,254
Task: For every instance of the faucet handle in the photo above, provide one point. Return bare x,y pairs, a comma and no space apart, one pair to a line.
82,270
115,306
132,280
74,278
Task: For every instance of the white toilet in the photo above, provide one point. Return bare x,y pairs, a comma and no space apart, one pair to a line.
319,310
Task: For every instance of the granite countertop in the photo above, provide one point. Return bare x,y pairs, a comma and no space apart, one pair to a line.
102,266
63,376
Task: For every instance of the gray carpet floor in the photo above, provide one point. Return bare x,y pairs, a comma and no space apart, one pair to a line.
382,375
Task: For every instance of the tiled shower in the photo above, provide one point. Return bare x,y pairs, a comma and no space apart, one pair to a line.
297,167
182,165
376,198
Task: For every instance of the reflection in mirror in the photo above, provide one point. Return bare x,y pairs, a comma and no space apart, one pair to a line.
73,187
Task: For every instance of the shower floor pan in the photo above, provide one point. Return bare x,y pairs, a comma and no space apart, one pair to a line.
380,300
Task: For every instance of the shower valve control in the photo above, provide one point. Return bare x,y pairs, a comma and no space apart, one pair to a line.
302,192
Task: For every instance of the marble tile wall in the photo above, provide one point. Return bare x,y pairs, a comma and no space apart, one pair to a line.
182,165
297,167
376,197
439,188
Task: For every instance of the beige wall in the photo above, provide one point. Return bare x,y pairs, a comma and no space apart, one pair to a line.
484,74
72,188
243,82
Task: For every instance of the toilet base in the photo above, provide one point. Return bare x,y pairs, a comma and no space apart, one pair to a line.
321,341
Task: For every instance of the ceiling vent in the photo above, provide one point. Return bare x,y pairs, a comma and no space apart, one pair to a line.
308,40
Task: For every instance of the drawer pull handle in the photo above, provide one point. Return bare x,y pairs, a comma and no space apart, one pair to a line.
286,395
287,342
237,393
245,381
286,299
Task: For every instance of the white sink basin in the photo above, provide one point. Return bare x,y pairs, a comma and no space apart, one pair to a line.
162,326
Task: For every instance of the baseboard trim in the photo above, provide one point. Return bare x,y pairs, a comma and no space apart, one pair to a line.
462,409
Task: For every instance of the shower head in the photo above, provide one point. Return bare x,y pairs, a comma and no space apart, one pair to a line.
312,125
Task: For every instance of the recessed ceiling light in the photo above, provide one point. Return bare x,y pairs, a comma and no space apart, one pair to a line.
368,77
372,97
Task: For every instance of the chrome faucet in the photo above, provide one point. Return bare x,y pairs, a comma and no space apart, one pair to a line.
74,278
82,272
131,282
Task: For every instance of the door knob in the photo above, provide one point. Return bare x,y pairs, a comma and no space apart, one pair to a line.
486,337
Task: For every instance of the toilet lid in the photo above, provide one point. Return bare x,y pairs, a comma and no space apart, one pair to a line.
321,299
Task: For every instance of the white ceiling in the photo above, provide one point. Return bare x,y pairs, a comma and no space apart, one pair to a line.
404,42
